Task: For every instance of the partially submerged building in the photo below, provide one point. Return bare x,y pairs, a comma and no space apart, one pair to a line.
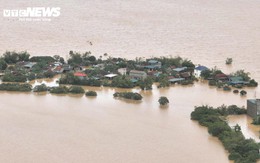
253,107
135,74
198,70
153,64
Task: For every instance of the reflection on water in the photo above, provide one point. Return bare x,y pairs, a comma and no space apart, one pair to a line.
49,82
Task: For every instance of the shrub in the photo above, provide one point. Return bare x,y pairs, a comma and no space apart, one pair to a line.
229,61
236,91
128,95
212,83
9,77
3,64
226,88
186,82
252,83
91,93
243,92
163,100
59,90
40,88
76,90
15,87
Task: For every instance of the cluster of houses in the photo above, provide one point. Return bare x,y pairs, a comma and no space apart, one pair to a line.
151,67
229,79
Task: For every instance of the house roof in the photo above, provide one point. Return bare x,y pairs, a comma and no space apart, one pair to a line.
58,68
152,61
180,69
185,74
133,80
151,66
30,64
221,76
201,68
176,79
236,78
253,100
110,75
80,74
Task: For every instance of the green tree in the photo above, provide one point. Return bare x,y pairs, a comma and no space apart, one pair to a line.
163,100
243,74
76,90
237,128
146,84
3,64
91,93
206,74
40,88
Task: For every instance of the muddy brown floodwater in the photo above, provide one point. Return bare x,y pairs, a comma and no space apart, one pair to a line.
50,128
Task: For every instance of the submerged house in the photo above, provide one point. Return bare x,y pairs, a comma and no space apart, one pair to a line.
180,69
153,64
66,67
253,107
135,74
221,77
234,80
199,69
176,80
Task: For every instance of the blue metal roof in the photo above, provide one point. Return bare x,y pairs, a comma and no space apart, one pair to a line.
201,68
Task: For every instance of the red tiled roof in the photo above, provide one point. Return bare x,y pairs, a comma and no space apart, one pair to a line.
221,76
80,74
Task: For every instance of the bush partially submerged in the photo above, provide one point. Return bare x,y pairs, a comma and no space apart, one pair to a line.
128,95
59,90
40,88
15,87
91,93
76,90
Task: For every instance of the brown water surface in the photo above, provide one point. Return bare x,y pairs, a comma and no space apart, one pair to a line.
51,128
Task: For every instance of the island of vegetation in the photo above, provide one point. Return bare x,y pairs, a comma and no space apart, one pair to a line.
163,100
128,95
240,149
91,93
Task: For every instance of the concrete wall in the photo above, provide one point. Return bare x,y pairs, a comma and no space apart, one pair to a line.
252,109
